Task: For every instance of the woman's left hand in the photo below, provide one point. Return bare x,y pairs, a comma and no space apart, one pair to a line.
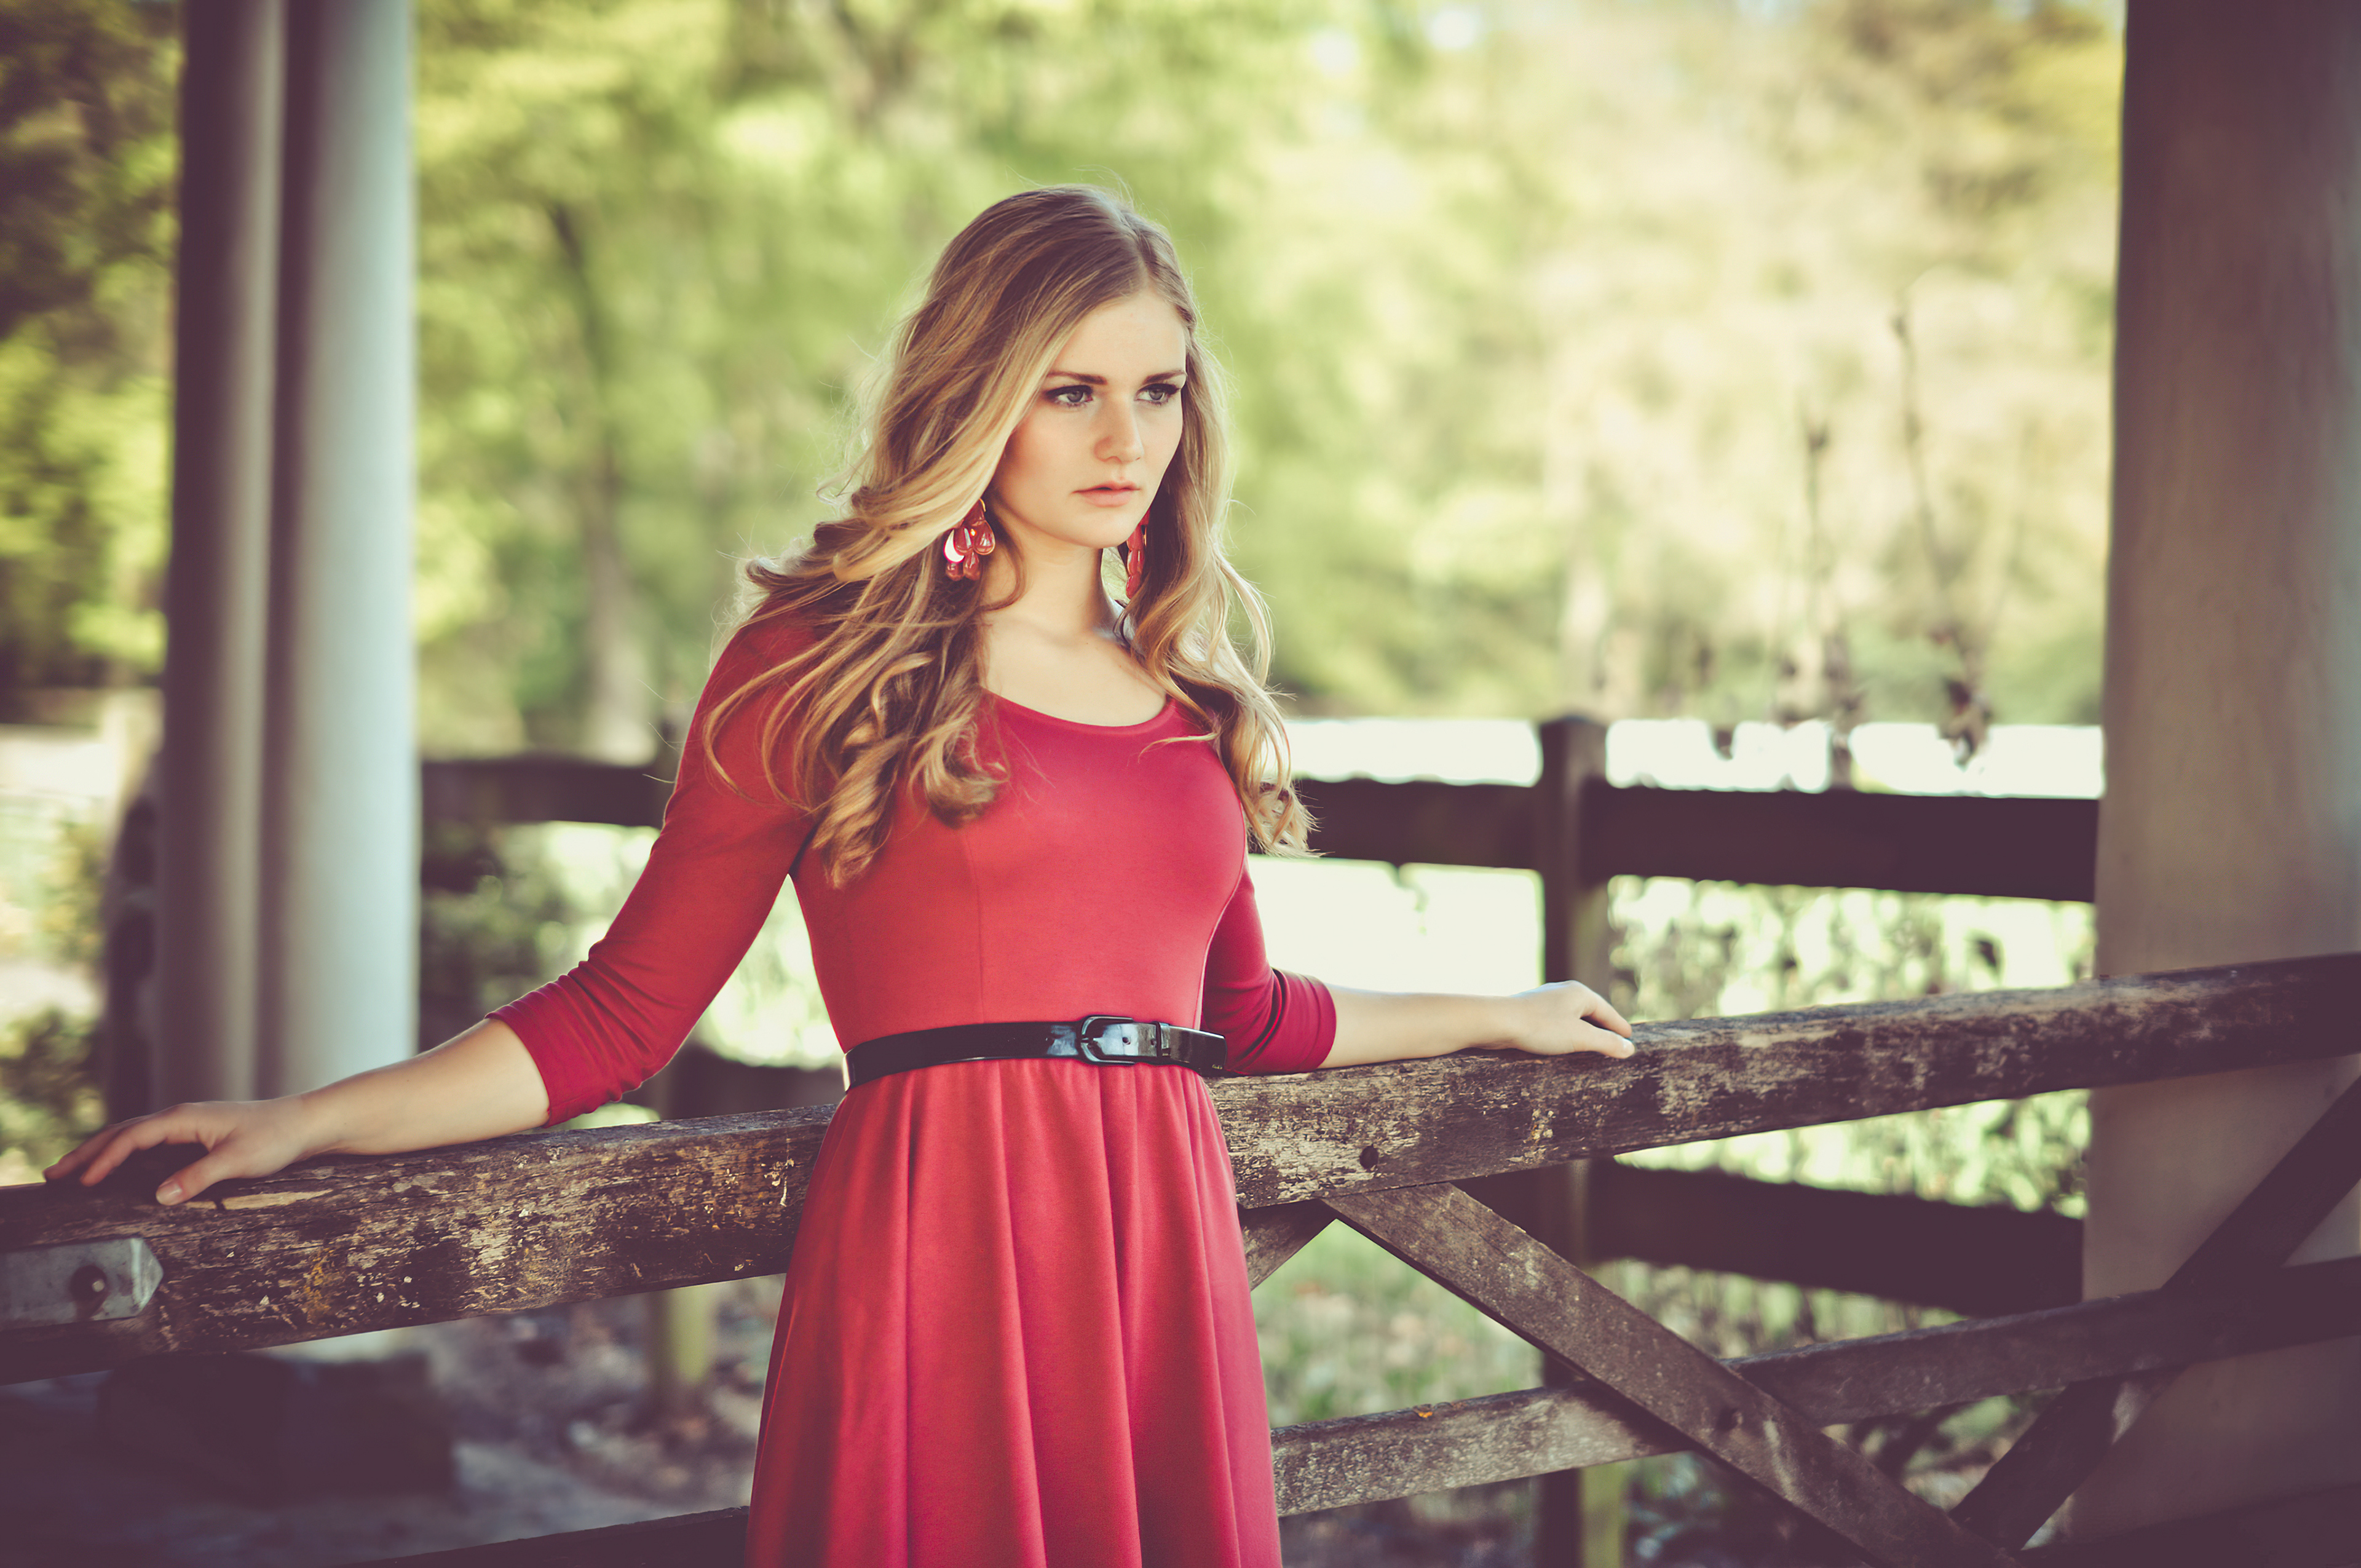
1560,1019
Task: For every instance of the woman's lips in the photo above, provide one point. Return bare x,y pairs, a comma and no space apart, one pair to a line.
1109,495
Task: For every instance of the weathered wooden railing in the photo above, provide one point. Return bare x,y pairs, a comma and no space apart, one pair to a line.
1575,828
339,1245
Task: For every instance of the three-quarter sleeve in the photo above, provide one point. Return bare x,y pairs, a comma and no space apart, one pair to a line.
606,1026
1273,1021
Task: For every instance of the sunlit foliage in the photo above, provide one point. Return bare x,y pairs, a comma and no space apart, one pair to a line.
1737,360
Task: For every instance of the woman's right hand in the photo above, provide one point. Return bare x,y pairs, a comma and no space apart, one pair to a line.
242,1138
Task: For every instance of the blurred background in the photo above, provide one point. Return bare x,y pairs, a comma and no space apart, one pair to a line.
1733,371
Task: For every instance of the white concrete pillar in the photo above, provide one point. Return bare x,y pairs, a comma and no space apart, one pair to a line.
2232,825
210,794
340,852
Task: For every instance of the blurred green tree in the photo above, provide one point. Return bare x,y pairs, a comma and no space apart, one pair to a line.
1689,357
87,157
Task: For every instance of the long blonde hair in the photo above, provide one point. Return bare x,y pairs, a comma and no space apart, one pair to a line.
886,699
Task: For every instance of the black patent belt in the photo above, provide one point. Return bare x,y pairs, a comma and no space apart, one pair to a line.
1099,1038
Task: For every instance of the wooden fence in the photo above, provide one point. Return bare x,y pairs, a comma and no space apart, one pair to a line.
1576,829
341,1245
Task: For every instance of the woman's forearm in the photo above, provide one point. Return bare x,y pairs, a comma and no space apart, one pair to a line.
476,1085
1378,1025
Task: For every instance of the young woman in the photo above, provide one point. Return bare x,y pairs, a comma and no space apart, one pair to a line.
1015,806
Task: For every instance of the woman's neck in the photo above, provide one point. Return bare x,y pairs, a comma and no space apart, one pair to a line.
1056,648
1062,598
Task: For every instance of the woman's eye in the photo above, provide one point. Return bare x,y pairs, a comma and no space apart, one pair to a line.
1073,397
1161,393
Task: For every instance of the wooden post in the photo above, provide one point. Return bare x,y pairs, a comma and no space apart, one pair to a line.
2232,826
680,1332
1579,1514
215,590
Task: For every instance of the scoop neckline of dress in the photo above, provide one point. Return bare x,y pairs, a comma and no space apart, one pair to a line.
1156,717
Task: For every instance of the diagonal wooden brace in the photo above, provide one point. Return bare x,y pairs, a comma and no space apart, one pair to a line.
1445,1233
2067,1441
1274,1234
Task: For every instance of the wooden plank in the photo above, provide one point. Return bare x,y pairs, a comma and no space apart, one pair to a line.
1421,822
2318,1529
2066,1441
1448,1235
1977,1259
2019,847
2321,1529
1463,1442
543,788
1999,846
714,1540
1505,1437
542,1218
1409,1123
341,1245
1274,1236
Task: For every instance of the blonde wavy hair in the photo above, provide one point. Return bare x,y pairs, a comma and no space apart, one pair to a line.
886,699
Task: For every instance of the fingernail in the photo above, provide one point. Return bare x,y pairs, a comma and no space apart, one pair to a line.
168,1193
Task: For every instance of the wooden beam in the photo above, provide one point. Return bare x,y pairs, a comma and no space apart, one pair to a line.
1448,1235
2014,847
1421,822
1504,1437
1302,1135
1326,1465
713,1540
1999,846
1274,1236
542,1218
536,788
2318,1531
341,1245
1977,1259
2066,1440
2007,847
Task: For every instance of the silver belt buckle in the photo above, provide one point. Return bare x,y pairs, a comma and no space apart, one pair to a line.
1148,1042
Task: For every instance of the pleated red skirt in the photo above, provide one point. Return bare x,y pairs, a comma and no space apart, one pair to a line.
1017,1333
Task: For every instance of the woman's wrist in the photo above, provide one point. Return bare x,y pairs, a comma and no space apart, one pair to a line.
1506,1020
319,1120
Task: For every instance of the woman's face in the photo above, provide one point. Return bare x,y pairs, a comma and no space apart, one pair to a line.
1085,462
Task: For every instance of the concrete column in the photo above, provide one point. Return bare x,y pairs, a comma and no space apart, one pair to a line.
340,853
2232,825
210,798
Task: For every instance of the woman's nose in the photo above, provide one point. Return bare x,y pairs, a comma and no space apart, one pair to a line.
1119,435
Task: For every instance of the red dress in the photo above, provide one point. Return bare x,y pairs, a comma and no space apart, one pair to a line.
1016,1328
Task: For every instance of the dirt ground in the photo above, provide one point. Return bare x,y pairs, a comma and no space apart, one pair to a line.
552,1435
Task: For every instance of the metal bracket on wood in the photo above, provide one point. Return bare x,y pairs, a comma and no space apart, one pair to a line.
77,1282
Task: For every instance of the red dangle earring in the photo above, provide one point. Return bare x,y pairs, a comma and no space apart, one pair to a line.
1135,561
965,546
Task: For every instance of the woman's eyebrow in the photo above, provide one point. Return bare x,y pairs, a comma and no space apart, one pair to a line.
1089,380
